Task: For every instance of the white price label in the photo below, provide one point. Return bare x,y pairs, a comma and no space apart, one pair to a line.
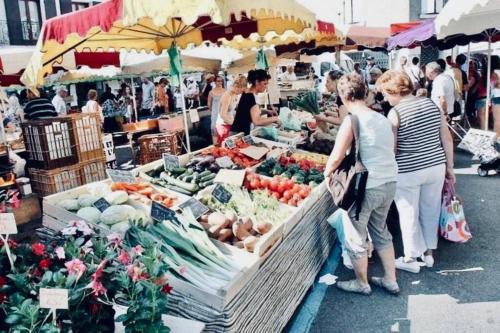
7,224
54,299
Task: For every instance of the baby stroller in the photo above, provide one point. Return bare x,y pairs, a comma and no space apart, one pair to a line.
482,145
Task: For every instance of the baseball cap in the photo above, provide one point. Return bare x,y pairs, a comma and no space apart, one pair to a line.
61,88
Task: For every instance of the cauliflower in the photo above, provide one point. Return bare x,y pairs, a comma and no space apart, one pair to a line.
117,197
120,227
117,214
69,204
87,200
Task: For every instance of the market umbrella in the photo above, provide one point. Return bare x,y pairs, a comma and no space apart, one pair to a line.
364,37
154,25
469,18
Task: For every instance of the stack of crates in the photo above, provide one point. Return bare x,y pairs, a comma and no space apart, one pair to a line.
64,152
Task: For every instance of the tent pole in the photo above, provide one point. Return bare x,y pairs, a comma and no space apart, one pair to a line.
134,101
184,112
488,86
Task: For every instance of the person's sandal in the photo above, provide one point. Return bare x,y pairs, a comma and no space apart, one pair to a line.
353,286
391,288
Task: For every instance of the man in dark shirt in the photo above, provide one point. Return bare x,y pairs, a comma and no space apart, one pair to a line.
38,107
460,61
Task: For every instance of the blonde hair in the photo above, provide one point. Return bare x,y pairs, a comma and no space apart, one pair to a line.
92,94
395,82
352,87
240,82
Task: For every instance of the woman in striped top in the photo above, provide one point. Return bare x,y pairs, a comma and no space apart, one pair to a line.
424,153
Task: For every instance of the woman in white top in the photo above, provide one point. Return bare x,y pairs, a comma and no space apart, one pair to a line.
376,146
92,105
214,102
228,103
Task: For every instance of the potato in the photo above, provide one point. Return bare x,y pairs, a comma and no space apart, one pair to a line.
214,231
249,243
218,219
247,223
231,216
262,227
225,235
205,225
204,218
239,231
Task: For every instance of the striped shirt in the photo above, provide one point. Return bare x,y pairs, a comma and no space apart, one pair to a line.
419,135
39,108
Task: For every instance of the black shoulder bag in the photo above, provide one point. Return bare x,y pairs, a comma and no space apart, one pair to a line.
348,183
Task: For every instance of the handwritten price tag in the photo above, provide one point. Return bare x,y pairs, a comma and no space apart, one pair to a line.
7,224
54,299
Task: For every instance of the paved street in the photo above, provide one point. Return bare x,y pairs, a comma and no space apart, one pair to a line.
430,302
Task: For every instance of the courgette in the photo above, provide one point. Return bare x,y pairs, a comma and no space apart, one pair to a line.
206,184
179,183
206,178
187,178
178,171
178,189
204,173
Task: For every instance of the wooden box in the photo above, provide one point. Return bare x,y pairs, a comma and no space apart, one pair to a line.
88,138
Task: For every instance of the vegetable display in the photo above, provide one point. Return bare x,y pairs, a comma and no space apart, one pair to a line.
318,159
307,101
283,189
189,253
301,172
197,175
238,158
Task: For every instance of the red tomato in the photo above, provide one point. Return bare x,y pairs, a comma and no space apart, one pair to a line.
293,202
277,195
295,188
289,184
273,185
296,197
264,183
283,200
303,193
255,184
281,187
287,194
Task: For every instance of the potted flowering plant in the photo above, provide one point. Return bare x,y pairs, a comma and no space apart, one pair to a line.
97,273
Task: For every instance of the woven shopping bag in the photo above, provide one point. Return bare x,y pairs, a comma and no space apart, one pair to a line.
452,223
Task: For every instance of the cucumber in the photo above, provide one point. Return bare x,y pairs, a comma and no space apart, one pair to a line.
189,171
179,183
204,173
206,178
206,184
178,171
179,189
187,178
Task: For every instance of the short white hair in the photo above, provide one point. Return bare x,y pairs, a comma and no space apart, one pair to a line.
433,67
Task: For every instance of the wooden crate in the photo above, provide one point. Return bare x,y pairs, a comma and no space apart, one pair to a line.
87,133
153,146
93,171
46,182
29,210
50,143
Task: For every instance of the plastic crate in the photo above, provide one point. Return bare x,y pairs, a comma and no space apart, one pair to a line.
93,171
153,146
109,147
46,182
50,143
87,132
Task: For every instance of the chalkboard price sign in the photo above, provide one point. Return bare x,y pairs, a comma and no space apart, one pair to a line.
170,161
101,204
121,176
248,140
230,143
161,213
197,208
221,194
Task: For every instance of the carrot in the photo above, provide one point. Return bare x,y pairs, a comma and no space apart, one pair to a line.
157,197
147,191
118,187
167,202
130,187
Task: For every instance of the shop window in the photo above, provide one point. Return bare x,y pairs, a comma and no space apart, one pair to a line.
77,5
30,19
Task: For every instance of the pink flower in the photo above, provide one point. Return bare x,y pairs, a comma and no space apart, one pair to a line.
124,257
137,250
98,272
75,267
115,238
136,272
60,254
87,247
97,288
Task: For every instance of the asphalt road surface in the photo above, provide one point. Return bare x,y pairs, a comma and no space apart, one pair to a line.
432,302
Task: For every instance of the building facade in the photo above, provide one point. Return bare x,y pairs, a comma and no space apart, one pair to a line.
21,20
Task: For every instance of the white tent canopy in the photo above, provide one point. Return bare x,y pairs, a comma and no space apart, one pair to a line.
162,64
469,17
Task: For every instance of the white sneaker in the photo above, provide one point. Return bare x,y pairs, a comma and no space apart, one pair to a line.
429,260
409,266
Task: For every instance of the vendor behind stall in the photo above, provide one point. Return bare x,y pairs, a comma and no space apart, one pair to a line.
336,111
248,112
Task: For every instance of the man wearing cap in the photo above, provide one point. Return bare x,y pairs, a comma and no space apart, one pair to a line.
59,102
370,64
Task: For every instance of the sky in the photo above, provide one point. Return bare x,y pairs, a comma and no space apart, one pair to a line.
324,9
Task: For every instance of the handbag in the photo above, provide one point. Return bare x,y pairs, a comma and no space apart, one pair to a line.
452,223
347,184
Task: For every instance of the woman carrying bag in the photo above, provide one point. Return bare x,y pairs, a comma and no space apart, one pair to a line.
376,152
